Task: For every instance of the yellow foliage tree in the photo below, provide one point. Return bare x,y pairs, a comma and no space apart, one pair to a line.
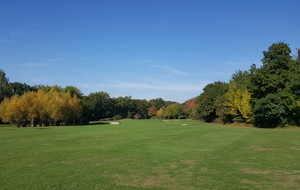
238,101
43,108
161,113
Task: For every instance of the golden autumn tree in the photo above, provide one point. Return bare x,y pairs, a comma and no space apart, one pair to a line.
43,107
238,102
161,113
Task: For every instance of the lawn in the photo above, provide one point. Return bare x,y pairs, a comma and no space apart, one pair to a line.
149,154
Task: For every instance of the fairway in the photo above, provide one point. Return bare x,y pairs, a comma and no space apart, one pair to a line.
149,154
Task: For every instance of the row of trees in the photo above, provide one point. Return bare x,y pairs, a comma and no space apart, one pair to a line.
100,105
41,108
26,105
268,96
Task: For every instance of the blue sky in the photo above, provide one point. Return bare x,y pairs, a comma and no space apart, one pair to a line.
142,48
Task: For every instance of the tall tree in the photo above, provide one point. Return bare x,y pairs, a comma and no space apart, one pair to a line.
272,76
5,90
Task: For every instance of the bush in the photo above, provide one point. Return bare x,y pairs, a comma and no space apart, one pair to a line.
269,112
137,116
117,117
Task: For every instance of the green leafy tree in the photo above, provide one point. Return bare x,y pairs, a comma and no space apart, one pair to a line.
210,100
5,90
270,112
272,76
98,105
19,88
158,103
141,108
73,91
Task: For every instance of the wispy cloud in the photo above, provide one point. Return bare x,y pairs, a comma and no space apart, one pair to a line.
169,69
55,59
132,85
33,65
5,40
179,92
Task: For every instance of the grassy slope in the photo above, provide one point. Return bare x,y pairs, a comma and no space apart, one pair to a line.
149,154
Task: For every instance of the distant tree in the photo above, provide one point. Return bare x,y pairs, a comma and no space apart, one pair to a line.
152,111
19,88
5,90
141,108
73,90
210,100
158,103
161,113
98,105
174,111
190,107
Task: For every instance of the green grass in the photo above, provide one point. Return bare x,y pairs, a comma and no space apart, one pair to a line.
149,154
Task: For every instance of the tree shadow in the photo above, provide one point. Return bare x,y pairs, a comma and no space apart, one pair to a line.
98,123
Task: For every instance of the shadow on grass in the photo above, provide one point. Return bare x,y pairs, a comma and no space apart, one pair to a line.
98,123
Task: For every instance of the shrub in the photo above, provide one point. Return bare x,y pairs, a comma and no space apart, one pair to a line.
117,117
137,116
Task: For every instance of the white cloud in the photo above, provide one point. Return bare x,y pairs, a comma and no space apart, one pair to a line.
174,91
169,69
33,65
55,59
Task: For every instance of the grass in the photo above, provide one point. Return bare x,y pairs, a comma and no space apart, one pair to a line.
149,154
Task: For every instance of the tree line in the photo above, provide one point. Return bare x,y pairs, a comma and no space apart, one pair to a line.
39,105
267,97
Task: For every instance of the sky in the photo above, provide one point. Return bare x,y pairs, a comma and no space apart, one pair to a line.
146,49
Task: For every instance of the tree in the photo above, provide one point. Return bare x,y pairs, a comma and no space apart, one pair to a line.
5,90
161,113
270,112
158,103
237,103
73,91
152,111
98,105
272,76
209,101
19,88
33,108
190,107
174,111
141,108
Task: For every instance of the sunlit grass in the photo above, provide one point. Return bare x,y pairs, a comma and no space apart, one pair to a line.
149,154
